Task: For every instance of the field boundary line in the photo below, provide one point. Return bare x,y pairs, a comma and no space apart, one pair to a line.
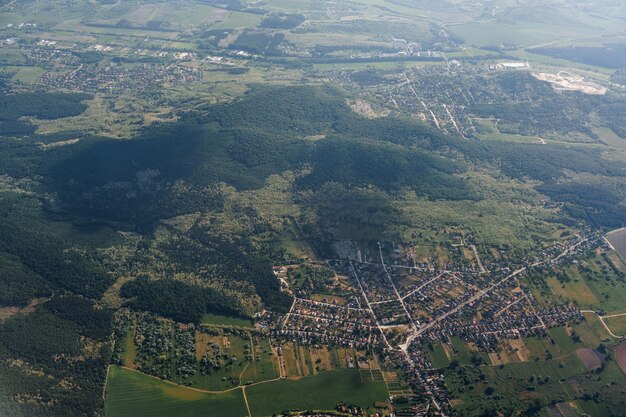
106,380
614,315
204,390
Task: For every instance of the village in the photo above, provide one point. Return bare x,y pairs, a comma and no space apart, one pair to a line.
399,308
480,82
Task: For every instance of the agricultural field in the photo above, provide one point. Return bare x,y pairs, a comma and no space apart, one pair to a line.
225,321
322,391
303,361
131,393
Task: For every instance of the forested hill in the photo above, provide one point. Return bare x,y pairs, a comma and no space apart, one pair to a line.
269,131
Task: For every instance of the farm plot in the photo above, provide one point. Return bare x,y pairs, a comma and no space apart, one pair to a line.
591,358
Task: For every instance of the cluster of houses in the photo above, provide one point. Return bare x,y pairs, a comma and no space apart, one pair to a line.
317,322
122,79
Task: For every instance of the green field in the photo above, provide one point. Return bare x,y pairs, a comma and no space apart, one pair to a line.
617,324
130,350
592,284
438,356
133,394
236,20
230,321
564,341
611,138
322,391
489,131
491,33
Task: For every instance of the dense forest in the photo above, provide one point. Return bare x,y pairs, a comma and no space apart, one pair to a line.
282,21
171,169
176,300
596,203
44,260
46,354
39,105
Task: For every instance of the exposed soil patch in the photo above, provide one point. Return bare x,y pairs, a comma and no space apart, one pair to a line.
591,358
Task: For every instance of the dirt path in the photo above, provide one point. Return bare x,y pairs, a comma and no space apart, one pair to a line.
245,399
241,373
252,349
202,390
604,324
290,310
480,264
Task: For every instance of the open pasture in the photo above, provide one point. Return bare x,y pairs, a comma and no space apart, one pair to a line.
579,287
